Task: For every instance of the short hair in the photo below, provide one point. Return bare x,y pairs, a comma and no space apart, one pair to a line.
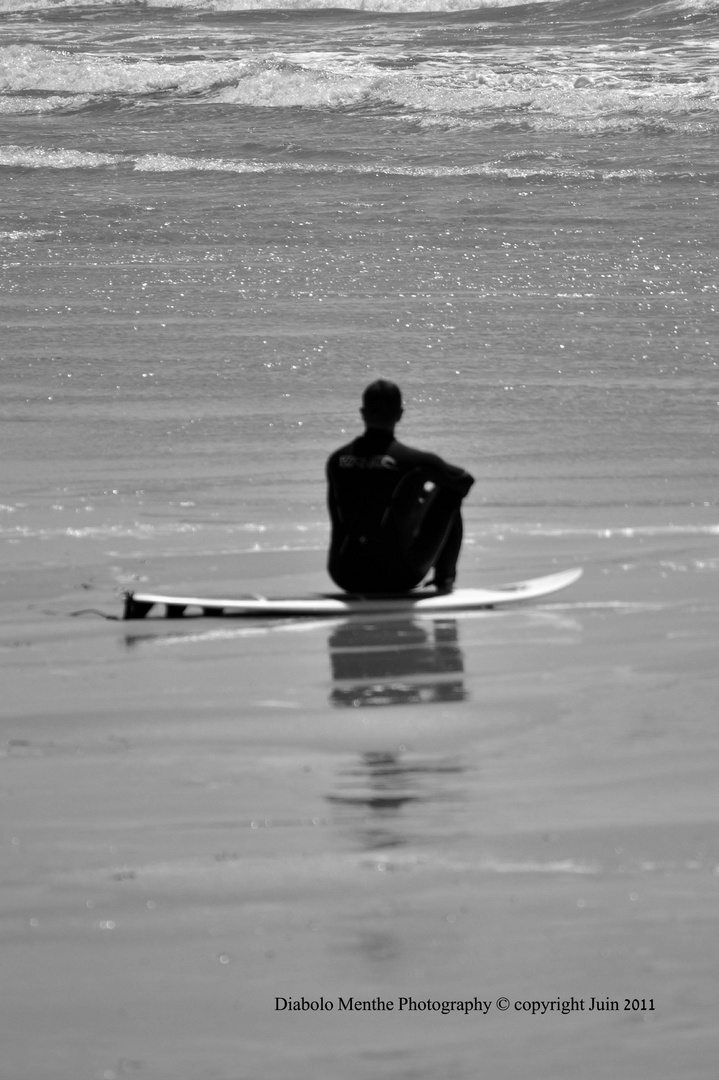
382,398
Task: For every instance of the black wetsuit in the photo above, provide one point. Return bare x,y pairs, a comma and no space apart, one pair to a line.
388,530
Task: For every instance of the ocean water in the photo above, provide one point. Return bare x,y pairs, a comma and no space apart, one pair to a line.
218,221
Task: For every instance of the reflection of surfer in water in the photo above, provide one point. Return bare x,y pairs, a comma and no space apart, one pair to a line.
398,662
395,511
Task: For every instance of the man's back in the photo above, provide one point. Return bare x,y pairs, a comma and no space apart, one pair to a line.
394,509
363,477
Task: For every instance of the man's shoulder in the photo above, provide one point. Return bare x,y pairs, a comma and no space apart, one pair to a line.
341,451
403,452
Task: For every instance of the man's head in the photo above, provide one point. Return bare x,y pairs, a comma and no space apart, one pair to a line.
381,404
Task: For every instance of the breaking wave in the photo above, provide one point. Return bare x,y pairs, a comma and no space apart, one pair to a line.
590,10
563,88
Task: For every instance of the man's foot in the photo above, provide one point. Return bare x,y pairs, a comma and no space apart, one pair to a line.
442,585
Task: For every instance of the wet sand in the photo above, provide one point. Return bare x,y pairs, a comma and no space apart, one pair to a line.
200,817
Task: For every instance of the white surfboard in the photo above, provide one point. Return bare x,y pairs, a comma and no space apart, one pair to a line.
421,601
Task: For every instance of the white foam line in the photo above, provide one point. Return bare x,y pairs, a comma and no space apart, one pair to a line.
628,531
164,640
616,605
562,867
41,158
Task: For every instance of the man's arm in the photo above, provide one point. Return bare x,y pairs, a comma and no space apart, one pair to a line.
440,472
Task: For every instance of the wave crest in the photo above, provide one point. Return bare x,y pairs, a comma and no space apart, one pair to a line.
598,88
242,6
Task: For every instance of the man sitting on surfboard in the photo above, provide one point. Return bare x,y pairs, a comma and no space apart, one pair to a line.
395,511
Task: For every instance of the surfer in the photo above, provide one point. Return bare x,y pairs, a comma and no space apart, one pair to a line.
394,511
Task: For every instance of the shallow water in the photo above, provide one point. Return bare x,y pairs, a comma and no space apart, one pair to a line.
517,804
